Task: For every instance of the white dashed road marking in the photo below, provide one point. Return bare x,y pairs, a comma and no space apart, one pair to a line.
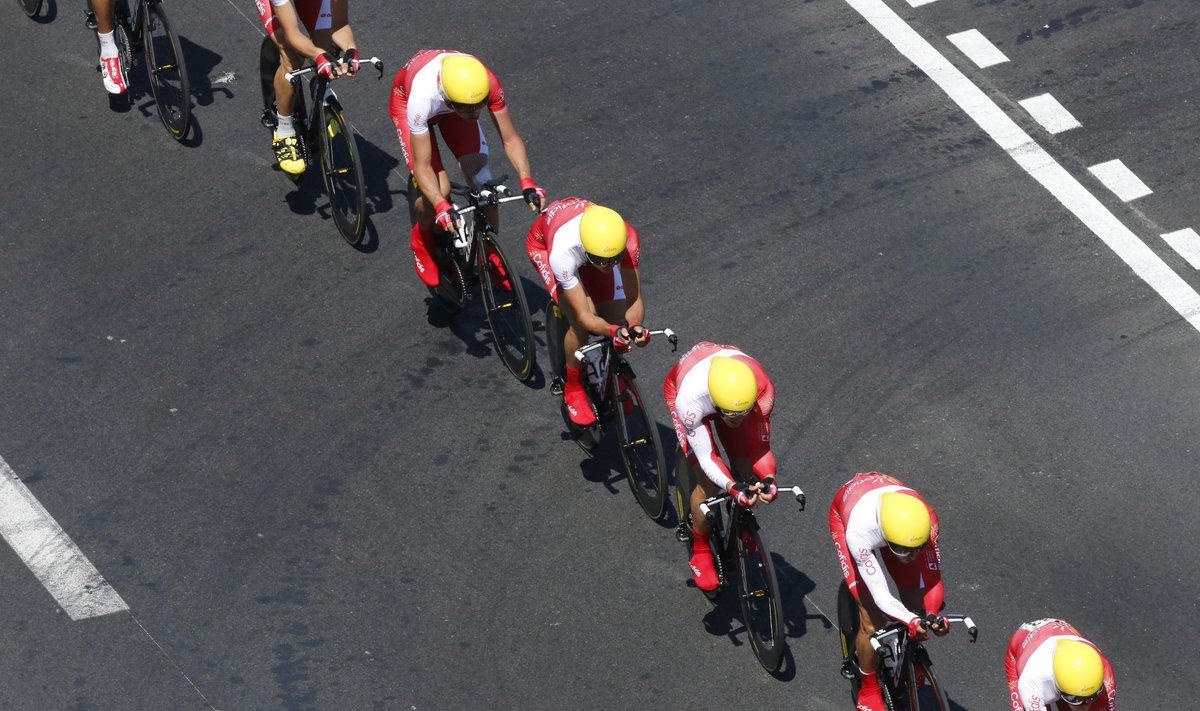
47,550
1187,243
1034,159
977,48
1046,110
919,3
1121,180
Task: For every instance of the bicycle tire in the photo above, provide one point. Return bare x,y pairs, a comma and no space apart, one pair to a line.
31,7
169,80
683,498
506,308
920,701
640,449
758,594
341,169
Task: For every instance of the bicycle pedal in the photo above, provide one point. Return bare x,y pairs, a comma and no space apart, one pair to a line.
556,386
848,670
681,532
89,20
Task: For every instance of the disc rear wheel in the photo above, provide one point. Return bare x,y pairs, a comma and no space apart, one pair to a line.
167,71
507,311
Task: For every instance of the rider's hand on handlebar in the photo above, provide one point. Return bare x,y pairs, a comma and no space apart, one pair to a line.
938,625
620,337
746,495
447,216
641,335
535,196
327,66
916,628
350,57
769,490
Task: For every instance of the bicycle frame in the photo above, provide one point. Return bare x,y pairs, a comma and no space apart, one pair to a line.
719,508
602,387
896,650
466,242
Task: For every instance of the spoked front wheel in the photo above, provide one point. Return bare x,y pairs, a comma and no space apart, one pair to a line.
31,7
507,311
640,448
924,691
342,171
168,73
758,593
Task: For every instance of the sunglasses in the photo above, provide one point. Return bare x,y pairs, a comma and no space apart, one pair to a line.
1073,700
605,262
732,414
905,551
468,108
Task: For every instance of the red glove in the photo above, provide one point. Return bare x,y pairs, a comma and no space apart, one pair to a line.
620,338
744,498
326,67
769,490
447,215
533,194
916,627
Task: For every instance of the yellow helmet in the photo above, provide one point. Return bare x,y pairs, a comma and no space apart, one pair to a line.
904,519
602,232
732,384
1078,669
464,79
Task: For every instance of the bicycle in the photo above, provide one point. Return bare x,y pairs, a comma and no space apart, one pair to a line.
613,395
325,133
473,253
31,7
737,543
148,30
905,675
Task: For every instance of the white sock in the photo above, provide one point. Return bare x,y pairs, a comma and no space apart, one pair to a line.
284,127
108,46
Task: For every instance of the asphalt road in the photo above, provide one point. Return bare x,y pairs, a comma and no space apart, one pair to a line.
316,491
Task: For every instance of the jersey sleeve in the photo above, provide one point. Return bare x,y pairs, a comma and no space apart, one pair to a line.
495,100
633,248
870,572
931,567
700,441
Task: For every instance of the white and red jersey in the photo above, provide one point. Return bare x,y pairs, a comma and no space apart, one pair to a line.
1030,668
420,82
314,14
692,411
554,237
858,534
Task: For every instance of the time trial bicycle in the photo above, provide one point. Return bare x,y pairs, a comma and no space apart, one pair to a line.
148,30
740,552
614,397
905,670
473,253
325,134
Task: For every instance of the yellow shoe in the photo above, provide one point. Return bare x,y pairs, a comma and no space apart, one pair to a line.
287,152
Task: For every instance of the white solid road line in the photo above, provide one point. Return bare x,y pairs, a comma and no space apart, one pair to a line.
1034,159
977,48
1187,244
1046,110
1121,180
47,550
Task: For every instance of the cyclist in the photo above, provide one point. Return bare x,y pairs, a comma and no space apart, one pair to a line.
718,389
577,247
1048,661
875,516
328,25
449,90
111,70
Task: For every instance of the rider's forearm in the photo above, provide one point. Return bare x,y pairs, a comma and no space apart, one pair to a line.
427,181
344,38
514,148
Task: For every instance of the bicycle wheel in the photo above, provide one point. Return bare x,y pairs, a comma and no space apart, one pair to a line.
683,498
167,71
507,312
342,171
924,691
556,329
640,448
31,7
758,593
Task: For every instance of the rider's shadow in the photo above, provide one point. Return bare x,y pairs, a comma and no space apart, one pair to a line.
377,165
